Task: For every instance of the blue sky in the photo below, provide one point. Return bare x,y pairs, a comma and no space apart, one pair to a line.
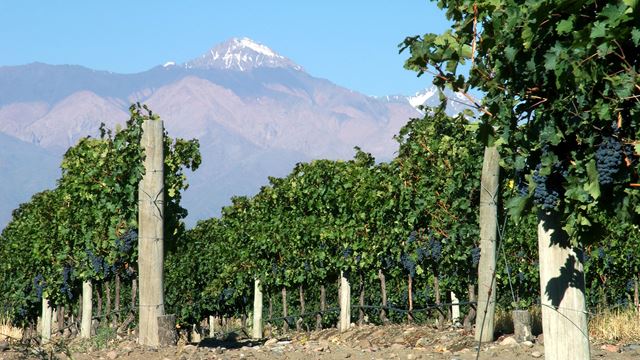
350,42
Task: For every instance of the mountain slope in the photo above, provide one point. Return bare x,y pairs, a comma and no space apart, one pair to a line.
24,170
255,112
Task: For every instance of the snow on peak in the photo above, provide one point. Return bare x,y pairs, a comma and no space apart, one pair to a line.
259,48
421,98
456,101
241,54
169,63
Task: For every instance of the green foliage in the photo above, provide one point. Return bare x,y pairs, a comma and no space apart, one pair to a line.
560,78
84,229
329,216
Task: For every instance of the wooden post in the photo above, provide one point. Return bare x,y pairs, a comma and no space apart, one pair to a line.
562,293
383,290
489,186
87,309
107,292
195,334
116,307
212,326
151,233
257,310
345,303
361,301
410,298
47,317
636,298
285,311
522,325
323,307
60,320
455,308
300,320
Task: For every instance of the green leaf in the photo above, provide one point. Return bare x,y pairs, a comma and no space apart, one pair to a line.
598,30
635,36
565,26
516,206
510,53
593,186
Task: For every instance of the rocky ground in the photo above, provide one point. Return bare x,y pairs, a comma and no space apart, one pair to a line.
363,342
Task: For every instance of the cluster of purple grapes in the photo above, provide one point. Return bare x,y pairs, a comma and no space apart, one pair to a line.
609,157
100,265
433,251
274,268
475,256
408,264
227,294
39,284
126,242
546,194
521,184
67,272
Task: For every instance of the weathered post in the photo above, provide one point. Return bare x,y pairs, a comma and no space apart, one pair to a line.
455,308
522,325
87,298
257,310
47,314
489,185
345,303
151,233
562,293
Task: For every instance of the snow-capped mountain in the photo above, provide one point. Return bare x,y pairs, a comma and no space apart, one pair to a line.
241,55
456,102
255,112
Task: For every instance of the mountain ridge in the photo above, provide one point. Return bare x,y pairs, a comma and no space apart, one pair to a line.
252,123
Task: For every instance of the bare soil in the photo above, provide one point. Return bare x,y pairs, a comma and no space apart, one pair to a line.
359,343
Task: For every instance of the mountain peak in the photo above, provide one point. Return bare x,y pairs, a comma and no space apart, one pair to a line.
241,54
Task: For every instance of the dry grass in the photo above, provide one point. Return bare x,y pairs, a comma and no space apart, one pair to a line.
620,325
9,331
504,322
615,325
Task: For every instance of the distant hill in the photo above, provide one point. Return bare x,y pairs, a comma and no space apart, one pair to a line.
255,112
25,169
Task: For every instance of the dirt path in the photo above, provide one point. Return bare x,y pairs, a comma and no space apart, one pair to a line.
364,342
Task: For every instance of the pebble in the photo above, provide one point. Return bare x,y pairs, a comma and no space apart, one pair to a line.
536,354
270,342
190,348
528,344
422,342
112,355
631,347
610,348
509,341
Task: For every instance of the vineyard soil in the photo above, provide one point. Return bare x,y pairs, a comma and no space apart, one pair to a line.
359,343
